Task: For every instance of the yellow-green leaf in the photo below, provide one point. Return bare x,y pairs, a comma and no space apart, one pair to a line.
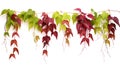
74,17
6,34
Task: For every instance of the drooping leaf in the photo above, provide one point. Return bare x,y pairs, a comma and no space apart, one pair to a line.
14,41
6,34
66,22
78,9
74,16
85,40
111,36
116,20
107,42
36,38
15,18
45,52
52,27
12,55
46,39
15,50
15,34
66,16
68,32
67,41
62,27
5,11
90,16
90,36
55,33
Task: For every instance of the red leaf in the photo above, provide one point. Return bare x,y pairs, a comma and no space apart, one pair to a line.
55,33
66,22
78,9
113,30
111,36
45,52
51,20
82,33
46,39
85,39
52,27
45,29
40,22
68,32
14,41
116,20
112,25
12,55
15,33
90,36
90,16
15,50
15,18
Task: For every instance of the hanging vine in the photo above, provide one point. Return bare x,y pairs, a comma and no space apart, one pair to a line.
63,21
12,20
103,24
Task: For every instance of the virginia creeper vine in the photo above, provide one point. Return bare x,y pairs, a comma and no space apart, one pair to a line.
102,23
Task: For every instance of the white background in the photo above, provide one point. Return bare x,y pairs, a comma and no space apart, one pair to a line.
59,55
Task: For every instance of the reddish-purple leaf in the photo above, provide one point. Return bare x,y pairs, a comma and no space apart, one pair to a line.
116,20
40,22
55,33
109,17
51,20
68,32
46,39
66,22
45,52
15,50
111,36
82,33
12,55
52,27
15,33
85,39
90,16
14,41
15,18
90,36
78,9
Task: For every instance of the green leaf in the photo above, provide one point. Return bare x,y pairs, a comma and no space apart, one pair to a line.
97,30
66,16
6,34
104,36
30,25
22,15
95,13
62,27
8,25
104,15
74,17
58,19
5,11
10,12
55,14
